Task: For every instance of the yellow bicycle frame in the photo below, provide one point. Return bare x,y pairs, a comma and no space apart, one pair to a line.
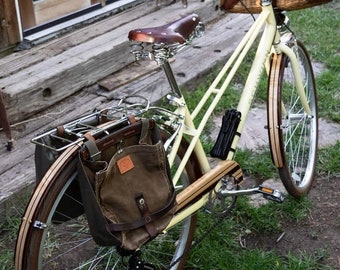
270,42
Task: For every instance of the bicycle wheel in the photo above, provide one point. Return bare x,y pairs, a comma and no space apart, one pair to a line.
293,134
50,238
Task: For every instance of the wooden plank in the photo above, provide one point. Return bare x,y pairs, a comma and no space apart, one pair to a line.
23,59
212,49
9,28
132,72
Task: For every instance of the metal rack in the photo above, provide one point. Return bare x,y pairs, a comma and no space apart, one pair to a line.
98,123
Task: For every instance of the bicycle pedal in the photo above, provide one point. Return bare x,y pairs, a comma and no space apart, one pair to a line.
271,194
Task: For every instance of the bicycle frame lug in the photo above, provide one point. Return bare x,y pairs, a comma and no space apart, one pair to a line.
265,3
39,225
175,101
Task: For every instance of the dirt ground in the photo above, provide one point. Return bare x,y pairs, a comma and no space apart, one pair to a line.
317,235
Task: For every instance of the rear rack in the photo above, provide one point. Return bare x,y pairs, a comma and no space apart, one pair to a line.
95,124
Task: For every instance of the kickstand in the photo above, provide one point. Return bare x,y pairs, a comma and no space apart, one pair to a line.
135,263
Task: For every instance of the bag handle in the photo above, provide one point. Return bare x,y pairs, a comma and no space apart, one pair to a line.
144,132
90,150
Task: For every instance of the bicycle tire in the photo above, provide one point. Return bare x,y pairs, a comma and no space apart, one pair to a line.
293,135
47,247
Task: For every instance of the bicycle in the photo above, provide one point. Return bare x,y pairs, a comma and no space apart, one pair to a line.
46,243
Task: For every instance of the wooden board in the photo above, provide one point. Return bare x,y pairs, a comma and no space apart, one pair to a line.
38,53
130,73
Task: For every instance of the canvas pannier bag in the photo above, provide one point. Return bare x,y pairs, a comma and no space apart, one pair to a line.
69,206
125,178
254,6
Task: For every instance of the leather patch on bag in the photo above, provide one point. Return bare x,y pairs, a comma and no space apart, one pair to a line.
125,164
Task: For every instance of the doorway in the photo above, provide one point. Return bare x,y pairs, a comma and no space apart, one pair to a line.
38,15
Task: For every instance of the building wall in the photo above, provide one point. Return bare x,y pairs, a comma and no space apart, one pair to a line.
31,14
9,26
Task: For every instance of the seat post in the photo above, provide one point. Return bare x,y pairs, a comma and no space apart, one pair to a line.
161,54
171,78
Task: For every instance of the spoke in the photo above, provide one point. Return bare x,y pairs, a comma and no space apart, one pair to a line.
82,242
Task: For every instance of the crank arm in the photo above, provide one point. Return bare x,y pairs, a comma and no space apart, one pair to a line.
268,193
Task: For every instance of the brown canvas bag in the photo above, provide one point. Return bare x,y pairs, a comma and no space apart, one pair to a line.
131,184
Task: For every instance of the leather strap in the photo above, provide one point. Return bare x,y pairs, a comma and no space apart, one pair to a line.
144,209
117,227
116,136
93,151
144,131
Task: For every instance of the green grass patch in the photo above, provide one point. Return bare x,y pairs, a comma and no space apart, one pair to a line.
322,42
222,249
8,233
328,160
258,163
13,212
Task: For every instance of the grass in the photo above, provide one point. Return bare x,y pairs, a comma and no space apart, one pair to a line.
329,160
323,45
9,227
223,250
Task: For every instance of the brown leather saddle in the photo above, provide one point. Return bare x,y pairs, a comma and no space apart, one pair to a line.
174,32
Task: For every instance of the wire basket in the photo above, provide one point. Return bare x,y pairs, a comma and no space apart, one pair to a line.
254,6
